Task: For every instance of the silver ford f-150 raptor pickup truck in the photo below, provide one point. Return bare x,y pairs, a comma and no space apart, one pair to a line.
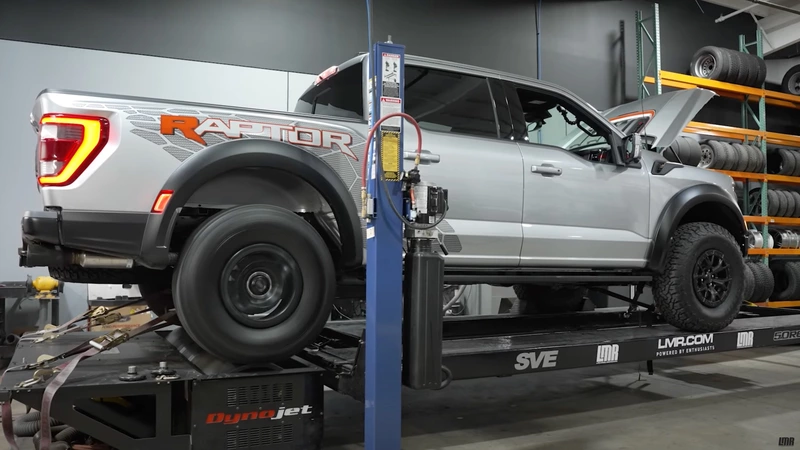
249,220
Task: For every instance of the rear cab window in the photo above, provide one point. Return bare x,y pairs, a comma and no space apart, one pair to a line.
337,92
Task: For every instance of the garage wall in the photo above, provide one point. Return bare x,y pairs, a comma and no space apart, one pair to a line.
27,69
306,36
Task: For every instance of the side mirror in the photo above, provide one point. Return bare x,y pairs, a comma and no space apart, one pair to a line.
632,148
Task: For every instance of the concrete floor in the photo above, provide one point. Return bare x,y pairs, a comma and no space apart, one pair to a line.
741,400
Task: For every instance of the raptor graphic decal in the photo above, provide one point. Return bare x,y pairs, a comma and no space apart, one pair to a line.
194,129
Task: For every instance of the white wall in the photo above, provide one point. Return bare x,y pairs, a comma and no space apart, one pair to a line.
26,69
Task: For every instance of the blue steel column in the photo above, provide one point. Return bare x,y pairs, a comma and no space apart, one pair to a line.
384,273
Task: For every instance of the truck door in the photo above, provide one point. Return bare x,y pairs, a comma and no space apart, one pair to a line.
580,208
477,162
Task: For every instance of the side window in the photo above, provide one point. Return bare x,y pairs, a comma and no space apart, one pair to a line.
450,102
550,121
335,94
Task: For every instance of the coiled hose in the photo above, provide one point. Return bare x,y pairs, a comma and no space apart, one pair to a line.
28,424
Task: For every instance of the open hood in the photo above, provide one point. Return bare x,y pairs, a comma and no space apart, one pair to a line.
668,114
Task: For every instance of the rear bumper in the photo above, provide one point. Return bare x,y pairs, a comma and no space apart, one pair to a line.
117,234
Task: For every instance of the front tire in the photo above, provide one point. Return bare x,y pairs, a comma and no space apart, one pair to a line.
701,288
254,284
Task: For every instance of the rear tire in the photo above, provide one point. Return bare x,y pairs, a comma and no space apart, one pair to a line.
701,287
254,283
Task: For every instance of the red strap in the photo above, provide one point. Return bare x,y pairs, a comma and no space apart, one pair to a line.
50,392
8,426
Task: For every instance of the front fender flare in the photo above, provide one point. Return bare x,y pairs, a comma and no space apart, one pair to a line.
729,216
231,155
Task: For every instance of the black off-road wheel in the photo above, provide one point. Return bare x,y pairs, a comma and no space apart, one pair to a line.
702,286
535,299
254,284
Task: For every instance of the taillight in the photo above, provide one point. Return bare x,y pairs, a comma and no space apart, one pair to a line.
67,145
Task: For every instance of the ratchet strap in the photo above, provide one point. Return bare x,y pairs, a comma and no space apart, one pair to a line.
64,370
94,316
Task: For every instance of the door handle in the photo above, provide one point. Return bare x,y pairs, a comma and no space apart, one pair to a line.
426,157
546,169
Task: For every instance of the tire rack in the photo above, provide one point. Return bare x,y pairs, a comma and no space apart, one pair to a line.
759,137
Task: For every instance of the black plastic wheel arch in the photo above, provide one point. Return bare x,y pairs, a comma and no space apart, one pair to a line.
231,155
682,203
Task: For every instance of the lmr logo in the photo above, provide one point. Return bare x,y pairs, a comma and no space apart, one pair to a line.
607,353
785,442
744,339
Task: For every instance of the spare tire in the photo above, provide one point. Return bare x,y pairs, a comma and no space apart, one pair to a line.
783,203
796,197
762,71
735,65
791,208
787,280
720,154
759,282
742,157
755,158
765,279
707,160
731,156
535,298
695,154
773,203
710,62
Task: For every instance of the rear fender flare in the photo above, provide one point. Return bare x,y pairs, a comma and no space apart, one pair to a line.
726,214
218,159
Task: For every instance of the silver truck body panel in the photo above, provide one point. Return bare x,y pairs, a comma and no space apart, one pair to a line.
501,213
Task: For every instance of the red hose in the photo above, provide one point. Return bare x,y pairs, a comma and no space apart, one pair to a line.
371,134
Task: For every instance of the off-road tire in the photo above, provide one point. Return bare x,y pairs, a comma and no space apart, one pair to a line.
749,283
769,282
787,280
673,289
535,299
759,282
210,311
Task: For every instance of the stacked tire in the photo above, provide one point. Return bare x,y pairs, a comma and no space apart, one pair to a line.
783,161
759,282
787,280
684,150
780,202
720,155
722,64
